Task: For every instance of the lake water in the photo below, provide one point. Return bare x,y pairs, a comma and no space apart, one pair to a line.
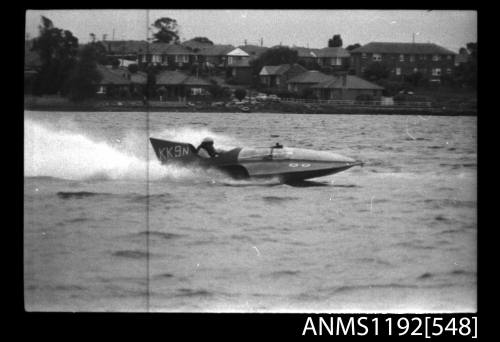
106,228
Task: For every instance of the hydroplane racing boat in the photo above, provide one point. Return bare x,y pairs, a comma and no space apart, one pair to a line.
286,163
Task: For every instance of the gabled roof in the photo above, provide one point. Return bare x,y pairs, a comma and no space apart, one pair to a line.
168,49
169,77
329,52
109,76
280,69
237,52
303,52
216,50
311,76
403,48
352,82
254,50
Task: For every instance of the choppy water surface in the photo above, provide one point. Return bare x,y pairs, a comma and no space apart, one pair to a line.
106,228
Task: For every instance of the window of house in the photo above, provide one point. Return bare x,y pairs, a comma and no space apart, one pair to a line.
181,58
398,71
277,81
415,70
423,57
144,60
363,69
436,57
448,70
156,59
377,57
436,72
363,55
401,58
412,58
448,57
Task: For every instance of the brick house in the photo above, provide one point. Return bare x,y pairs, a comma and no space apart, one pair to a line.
431,60
306,80
346,87
178,84
335,57
164,54
126,49
214,55
277,76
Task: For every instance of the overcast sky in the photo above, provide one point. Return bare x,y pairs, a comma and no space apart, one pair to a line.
313,28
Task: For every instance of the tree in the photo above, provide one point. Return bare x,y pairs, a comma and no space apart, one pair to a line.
352,46
240,94
203,40
376,71
167,31
82,82
336,41
274,56
57,49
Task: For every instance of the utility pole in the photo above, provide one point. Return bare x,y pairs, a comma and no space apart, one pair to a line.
113,34
261,41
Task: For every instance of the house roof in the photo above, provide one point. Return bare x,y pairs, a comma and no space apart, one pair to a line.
169,49
169,77
237,52
403,48
311,76
352,82
280,69
332,52
303,52
125,46
109,76
254,50
216,50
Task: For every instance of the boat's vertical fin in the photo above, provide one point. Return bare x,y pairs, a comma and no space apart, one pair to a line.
171,151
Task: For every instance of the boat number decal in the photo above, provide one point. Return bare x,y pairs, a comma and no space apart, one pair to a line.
297,165
173,152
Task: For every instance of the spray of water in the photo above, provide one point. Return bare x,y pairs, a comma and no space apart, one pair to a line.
59,152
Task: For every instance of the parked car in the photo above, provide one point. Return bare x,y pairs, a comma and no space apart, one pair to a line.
273,97
261,97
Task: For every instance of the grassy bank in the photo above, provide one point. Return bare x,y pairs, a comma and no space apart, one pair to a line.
54,103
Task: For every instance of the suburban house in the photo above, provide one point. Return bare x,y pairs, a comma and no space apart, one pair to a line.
167,55
254,51
306,80
277,76
174,84
307,57
335,57
214,55
346,87
126,49
405,58
112,81
238,67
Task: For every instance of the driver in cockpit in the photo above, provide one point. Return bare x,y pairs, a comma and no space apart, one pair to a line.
206,149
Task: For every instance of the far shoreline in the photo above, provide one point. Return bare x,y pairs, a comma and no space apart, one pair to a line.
61,105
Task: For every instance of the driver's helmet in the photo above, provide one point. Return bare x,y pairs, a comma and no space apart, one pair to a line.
207,141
